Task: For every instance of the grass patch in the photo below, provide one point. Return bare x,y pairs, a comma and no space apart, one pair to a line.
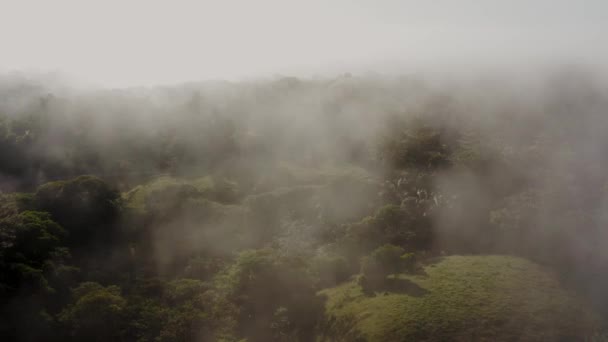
466,298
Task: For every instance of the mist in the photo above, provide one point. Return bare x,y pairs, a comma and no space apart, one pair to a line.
319,171
119,44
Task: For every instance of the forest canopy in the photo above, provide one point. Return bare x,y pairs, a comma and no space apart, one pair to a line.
277,210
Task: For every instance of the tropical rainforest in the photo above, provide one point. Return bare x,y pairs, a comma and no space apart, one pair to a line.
354,208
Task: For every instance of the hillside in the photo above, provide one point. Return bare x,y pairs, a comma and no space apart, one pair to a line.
460,298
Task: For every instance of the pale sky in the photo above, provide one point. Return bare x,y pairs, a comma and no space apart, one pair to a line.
131,43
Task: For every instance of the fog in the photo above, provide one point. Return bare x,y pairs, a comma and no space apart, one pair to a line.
239,158
116,43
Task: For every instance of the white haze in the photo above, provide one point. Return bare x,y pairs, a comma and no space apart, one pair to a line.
141,43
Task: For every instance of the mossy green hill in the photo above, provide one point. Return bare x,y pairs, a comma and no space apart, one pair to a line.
460,298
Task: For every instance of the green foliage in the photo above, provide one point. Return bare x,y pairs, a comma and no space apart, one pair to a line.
96,313
13,147
167,311
163,203
234,215
185,315
259,283
408,226
31,248
32,264
490,298
85,206
184,323
415,144
146,318
137,197
180,290
382,262
408,262
203,268
12,204
330,269
37,236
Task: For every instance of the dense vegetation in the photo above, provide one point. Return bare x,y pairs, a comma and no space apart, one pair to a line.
302,210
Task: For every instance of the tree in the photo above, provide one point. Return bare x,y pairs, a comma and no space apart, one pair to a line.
415,144
270,290
382,262
32,244
330,269
96,313
407,225
84,206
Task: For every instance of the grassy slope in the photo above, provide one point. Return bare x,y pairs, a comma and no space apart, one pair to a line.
135,198
461,298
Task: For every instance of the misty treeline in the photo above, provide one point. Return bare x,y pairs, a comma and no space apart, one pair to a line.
216,211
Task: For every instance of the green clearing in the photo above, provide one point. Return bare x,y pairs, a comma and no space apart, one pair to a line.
461,298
